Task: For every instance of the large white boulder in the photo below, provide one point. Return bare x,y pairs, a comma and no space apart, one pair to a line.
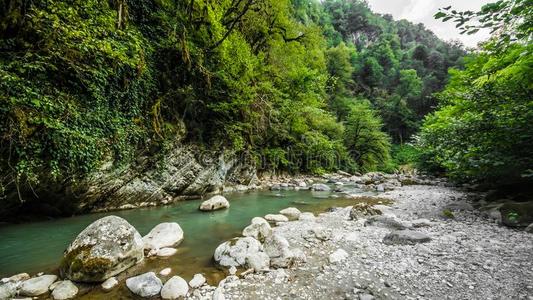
233,253
163,235
145,285
37,286
214,203
105,248
175,288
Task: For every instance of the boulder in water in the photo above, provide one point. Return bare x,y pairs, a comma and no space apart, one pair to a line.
144,285
105,248
163,235
214,203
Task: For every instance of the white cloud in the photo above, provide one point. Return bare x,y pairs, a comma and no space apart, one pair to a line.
422,11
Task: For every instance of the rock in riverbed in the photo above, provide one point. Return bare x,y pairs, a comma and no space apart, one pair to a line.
144,285
320,187
109,284
214,203
8,290
405,237
276,218
37,286
277,248
105,248
292,213
259,229
163,235
337,256
234,252
197,281
175,288
65,290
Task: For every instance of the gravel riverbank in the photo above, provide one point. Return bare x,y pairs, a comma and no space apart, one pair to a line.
468,256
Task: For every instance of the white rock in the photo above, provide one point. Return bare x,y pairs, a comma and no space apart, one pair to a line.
144,285
197,281
165,272
164,252
306,216
405,237
276,218
37,286
214,203
259,261
338,256
65,290
277,248
232,270
235,251
109,284
320,187
163,235
111,243
174,288
8,290
258,230
258,220
219,294
292,213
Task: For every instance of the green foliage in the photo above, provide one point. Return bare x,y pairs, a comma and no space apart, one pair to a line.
88,82
368,145
508,20
483,127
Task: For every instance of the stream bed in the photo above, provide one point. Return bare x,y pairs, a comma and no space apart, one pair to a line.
38,247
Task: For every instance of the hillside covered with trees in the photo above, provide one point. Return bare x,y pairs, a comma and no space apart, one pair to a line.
301,86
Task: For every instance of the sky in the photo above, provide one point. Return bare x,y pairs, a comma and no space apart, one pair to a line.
422,11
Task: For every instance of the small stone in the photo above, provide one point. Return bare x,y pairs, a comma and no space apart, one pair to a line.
197,281
109,284
306,216
338,256
165,272
232,270
405,237
273,218
65,290
165,252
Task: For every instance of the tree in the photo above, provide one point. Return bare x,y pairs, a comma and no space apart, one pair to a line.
368,145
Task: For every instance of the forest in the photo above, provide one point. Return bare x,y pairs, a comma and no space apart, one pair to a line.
328,83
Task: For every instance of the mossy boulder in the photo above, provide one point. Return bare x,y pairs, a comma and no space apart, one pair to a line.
104,249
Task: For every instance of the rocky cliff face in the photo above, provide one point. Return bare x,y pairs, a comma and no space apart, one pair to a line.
185,171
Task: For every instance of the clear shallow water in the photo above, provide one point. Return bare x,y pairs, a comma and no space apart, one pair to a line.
38,247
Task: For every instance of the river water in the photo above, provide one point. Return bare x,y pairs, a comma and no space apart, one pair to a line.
38,247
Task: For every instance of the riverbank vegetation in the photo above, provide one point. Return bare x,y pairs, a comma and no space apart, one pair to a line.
329,83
